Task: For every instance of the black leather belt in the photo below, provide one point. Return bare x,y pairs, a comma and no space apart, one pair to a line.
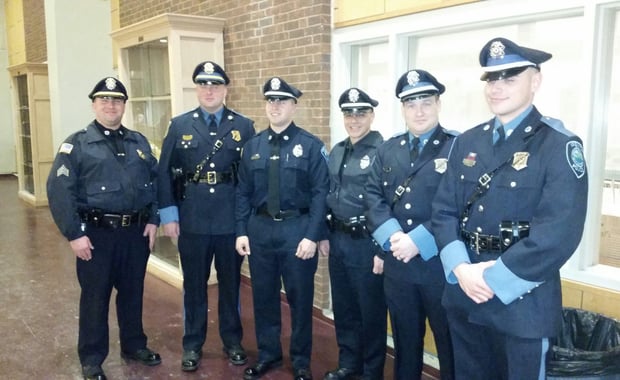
98,218
212,177
356,227
482,243
283,214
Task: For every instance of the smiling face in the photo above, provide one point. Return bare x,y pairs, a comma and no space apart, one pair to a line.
358,124
280,112
421,115
211,96
109,111
508,98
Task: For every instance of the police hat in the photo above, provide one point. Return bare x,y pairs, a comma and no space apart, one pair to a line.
277,88
416,84
109,86
355,100
501,58
210,73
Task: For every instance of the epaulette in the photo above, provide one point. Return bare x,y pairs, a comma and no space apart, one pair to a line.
557,125
398,135
452,132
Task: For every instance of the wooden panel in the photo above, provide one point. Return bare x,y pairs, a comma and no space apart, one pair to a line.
572,295
602,301
347,10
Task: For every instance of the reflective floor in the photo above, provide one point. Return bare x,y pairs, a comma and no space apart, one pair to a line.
39,312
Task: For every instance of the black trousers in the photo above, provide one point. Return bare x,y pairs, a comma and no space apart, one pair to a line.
360,313
197,252
273,263
118,261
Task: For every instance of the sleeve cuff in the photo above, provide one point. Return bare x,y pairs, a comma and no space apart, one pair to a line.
507,285
425,242
169,214
384,231
452,255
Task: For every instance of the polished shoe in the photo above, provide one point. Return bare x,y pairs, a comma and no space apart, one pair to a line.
93,372
303,374
260,368
341,374
236,354
143,355
190,360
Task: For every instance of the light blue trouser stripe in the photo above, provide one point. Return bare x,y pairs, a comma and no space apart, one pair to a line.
545,347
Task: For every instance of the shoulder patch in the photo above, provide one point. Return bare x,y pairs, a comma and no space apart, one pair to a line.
324,153
557,125
574,156
65,148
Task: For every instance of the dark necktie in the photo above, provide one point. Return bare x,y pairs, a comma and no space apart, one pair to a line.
273,186
348,149
415,149
500,137
212,125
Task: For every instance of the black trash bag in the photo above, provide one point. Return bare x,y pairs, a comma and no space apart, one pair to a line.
588,344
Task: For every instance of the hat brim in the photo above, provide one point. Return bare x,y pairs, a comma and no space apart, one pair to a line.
113,94
278,95
504,74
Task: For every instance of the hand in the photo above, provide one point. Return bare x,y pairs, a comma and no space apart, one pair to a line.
171,229
306,249
377,267
242,245
82,248
324,247
402,247
471,281
150,230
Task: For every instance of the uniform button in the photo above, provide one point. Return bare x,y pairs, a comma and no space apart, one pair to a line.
513,184
385,183
212,190
361,196
409,222
408,189
480,208
479,229
102,187
520,298
462,177
408,206
212,165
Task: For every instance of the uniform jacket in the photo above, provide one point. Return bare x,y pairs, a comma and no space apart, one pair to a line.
413,210
86,174
304,182
545,184
206,209
346,195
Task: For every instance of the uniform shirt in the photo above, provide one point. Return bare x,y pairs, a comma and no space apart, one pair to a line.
412,212
545,183
87,174
347,183
304,182
206,209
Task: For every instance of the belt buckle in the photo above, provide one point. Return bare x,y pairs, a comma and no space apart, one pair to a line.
277,217
484,179
476,244
399,190
125,220
211,178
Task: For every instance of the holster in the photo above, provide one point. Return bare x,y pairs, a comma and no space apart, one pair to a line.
179,181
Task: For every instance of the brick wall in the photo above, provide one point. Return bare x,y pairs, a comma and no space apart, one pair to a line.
34,31
265,38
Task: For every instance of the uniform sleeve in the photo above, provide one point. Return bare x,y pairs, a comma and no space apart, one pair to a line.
243,192
62,190
153,168
319,188
555,229
165,192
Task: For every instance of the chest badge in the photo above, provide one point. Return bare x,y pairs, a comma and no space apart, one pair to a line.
298,150
140,154
187,137
236,135
470,160
254,157
365,162
441,165
519,160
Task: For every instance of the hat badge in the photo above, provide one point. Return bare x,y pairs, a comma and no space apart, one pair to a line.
208,68
275,84
413,78
354,95
110,83
497,50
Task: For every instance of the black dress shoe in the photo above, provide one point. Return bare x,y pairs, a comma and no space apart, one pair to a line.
93,372
143,355
303,374
260,368
190,360
341,374
236,354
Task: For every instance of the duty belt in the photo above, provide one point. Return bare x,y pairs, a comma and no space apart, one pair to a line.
282,214
212,177
99,218
354,226
480,243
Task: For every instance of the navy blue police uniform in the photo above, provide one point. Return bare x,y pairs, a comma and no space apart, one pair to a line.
399,197
360,313
520,202
273,239
107,192
197,179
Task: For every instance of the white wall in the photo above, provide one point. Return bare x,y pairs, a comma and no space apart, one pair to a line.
7,134
79,52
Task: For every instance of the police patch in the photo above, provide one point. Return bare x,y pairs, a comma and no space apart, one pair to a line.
365,162
66,148
574,156
441,164
298,150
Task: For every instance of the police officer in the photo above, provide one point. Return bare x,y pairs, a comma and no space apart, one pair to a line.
401,186
197,179
360,314
280,216
508,215
102,195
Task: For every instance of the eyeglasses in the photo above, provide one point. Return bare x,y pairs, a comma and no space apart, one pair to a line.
111,100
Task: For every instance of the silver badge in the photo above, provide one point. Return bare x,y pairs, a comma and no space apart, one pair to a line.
354,95
365,162
208,68
275,84
574,156
441,164
413,78
496,51
298,151
110,83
